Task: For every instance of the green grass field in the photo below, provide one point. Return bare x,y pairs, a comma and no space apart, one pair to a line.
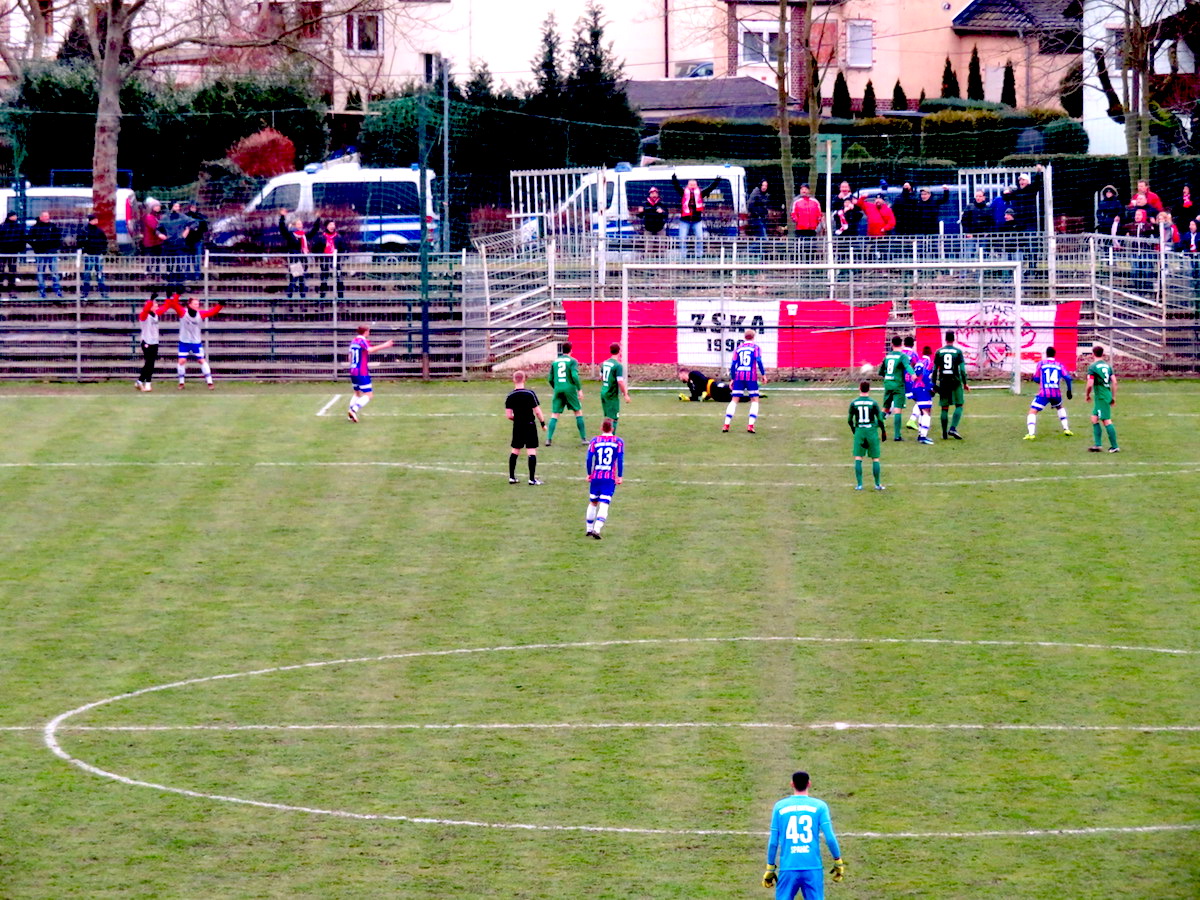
994,628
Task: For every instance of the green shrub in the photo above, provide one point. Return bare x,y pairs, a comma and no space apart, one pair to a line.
1065,136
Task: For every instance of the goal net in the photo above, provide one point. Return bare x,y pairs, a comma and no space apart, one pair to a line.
818,323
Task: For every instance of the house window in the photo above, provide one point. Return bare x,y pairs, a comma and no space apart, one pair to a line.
431,67
1116,47
860,43
311,13
760,43
363,33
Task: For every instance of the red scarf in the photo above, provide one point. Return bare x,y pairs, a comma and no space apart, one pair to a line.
302,238
699,200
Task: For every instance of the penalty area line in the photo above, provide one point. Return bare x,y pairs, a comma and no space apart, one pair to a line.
324,409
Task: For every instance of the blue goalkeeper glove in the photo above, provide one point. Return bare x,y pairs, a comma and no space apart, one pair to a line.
838,872
770,876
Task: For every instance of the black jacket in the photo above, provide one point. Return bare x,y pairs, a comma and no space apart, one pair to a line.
1108,208
1023,202
654,217
93,241
45,237
12,237
758,206
977,218
917,216
317,242
199,229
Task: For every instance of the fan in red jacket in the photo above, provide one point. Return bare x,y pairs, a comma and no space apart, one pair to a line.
880,218
806,213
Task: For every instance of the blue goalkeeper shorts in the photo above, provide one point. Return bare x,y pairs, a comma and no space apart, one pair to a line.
806,883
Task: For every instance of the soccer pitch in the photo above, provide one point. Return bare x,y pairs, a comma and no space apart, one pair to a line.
254,650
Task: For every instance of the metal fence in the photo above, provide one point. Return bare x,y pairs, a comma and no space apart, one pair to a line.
291,316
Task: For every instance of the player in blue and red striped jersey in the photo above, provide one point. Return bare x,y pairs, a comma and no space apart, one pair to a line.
1050,376
360,373
745,372
922,395
605,468
916,359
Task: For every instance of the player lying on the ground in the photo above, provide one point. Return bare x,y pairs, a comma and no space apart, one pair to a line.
701,387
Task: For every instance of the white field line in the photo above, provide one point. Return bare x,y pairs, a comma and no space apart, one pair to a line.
631,726
324,409
1190,468
57,725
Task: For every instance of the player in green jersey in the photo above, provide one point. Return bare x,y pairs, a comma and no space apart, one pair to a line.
568,392
612,386
864,417
950,383
894,367
1102,391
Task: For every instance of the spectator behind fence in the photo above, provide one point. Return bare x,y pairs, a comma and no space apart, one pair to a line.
45,237
12,247
654,214
758,207
197,237
174,229
1143,187
151,239
691,211
880,218
1109,211
806,213
919,215
1142,251
1023,199
1189,243
1185,210
295,242
977,219
328,244
844,222
838,201
94,244
1166,226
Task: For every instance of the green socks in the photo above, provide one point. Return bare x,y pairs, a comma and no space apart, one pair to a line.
945,420
858,471
898,421
957,417
579,425
550,433
875,471
1096,439
1112,435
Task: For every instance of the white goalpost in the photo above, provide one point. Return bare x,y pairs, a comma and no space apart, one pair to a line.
818,322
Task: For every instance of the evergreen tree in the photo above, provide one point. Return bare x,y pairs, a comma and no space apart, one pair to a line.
547,65
841,98
950,82
481,90
921,99
1008,92
974,77
595,93
868,104
899,98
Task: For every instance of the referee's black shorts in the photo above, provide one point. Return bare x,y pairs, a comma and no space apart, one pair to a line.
525,434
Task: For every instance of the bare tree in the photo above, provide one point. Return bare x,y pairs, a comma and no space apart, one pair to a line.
1143,30
129,36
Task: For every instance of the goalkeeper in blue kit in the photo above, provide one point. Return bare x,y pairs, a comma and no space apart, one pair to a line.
797,824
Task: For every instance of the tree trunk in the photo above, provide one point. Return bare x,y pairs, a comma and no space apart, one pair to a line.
108,119
785,121
812,96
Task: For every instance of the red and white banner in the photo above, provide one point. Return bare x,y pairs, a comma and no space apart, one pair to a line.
986,331
809,334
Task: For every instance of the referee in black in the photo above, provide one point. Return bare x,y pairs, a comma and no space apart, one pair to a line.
522,409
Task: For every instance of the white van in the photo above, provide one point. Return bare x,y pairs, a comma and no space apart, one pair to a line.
379,208
613,196
69,207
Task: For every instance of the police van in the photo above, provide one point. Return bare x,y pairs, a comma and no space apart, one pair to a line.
69,208
378,209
